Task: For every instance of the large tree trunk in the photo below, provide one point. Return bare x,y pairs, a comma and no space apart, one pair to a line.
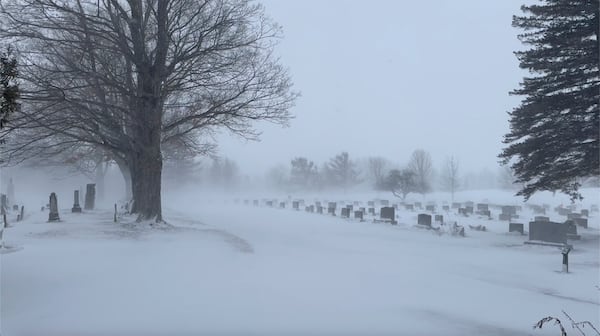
126,172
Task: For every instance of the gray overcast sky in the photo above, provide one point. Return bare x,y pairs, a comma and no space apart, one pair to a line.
388,77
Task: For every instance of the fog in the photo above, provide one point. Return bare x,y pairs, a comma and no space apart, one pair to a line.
388,77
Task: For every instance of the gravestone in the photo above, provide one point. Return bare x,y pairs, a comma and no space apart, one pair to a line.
385,203
469,209
504,217
371,204
90,196
16,207
446,208
516,227
331,208
418,205
371,211
548,232
331,211
595,208
350,207
486,213
3,204
356,203
358,215
583,222
22,214
462,211
296,205
317,204
345,212
409,207
456,205
53,216
363,210
430,208
541,219
571,227
469,204
563,211
282,205
319,209
439,218
388,213
76,207
509,210
424,219
270,204
585,212
482,207
573,215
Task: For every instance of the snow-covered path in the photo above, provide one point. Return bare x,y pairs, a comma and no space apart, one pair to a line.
237,270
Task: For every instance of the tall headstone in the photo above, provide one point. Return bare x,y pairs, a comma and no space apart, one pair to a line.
388,213
358,215
53,216
90,196
3,204
548,232
76,207
345,212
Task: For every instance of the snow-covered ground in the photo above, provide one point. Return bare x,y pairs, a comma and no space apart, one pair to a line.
227,269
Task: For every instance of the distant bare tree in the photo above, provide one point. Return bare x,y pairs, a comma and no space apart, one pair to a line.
377,170
400,182
420,164
129,75
342,171
450,176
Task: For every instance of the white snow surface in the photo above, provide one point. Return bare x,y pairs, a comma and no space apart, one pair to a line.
220,268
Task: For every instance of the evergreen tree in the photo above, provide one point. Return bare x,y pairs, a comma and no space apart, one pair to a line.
342,171
554,133
10,90
303,172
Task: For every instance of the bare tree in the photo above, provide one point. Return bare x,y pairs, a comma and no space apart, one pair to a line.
401,182
128,75
420,164
450,177
377,170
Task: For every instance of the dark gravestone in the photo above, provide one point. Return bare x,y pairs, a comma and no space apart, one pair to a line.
319,209
583,222
456,205
358,215
409,207
296,205
76,207
22,214
371,211
317,204
446,208
571,227
573,215
504,217
282,205
90,196
548,232
331,211
424,219
469,209
3,204
363,210
462,211
516,227
15,207
53,216
585,213
345,212
541,219
482,207
486,213
349,207
439,218
388,213
430,208
270,204
331,208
